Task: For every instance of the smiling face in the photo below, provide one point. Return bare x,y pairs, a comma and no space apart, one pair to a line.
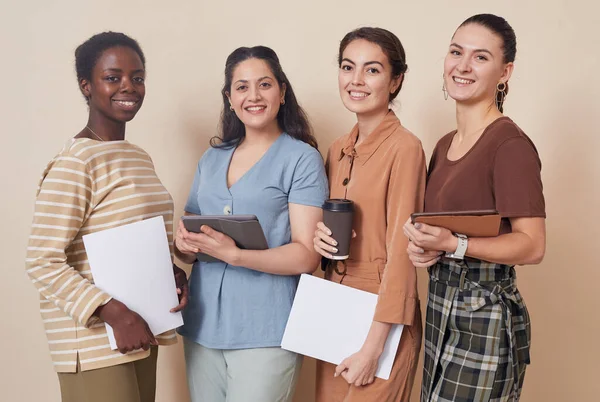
255,94
365,78
116,89
475,65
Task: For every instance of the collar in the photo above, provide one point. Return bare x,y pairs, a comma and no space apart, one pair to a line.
367,148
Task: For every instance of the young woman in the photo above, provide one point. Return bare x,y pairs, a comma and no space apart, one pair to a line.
98,181
380,166
477,332
266,164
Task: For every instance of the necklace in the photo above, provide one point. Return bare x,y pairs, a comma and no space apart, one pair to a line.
465,136
482,128
92,131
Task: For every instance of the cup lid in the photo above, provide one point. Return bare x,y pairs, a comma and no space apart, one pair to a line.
338,205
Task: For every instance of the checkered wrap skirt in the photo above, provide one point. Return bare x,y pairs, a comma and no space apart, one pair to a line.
477,333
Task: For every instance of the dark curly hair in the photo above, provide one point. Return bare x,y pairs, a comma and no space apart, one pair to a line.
292,119
88,53
389,44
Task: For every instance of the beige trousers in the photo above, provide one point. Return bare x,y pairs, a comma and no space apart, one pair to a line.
128,382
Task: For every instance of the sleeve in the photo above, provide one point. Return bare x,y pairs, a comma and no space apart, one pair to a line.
398,296
62,205
517,180
309,182
191,205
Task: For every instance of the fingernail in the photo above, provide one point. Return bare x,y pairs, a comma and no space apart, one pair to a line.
328,232
417,225
335,243
335,250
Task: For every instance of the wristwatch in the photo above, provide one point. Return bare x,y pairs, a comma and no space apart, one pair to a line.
461,248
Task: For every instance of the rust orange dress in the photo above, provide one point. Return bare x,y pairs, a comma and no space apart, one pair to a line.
385,177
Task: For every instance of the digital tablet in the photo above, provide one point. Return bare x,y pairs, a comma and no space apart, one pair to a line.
245,230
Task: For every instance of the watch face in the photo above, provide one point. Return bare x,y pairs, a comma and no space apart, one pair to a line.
451,256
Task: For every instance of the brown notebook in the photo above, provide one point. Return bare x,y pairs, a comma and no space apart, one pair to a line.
484,223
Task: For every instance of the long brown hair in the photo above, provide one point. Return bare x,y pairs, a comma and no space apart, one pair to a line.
291,117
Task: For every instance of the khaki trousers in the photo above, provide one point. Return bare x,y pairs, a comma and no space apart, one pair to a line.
128,382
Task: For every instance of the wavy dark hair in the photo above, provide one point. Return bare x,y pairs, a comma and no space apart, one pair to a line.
389,44
502,28
291,118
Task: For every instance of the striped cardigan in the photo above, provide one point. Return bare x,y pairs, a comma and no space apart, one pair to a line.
88,187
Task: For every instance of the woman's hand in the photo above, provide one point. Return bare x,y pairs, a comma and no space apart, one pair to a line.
215,244
430,238
182,288
130,329
323,243
208,241
184,242
359,369
421,258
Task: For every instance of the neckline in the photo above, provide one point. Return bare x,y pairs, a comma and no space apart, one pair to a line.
253,167
373,140
485,130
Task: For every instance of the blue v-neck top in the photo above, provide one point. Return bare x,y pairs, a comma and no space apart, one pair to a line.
235,307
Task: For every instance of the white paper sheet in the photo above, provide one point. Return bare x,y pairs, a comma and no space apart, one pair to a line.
132,263
330,322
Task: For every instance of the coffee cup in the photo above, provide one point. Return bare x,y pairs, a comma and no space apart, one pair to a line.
337,216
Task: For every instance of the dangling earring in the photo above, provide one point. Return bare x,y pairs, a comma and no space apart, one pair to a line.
444,88
500,94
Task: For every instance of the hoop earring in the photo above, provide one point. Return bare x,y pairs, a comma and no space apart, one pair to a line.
283,102
231,107
500,94
444,90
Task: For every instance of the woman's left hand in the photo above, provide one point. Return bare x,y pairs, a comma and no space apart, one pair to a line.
359,369
182,288
217,244
429,237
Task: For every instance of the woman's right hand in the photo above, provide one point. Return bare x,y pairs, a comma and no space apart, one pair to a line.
130,329
323,243
183,242
421,258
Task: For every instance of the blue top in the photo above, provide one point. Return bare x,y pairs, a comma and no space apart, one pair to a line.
235,307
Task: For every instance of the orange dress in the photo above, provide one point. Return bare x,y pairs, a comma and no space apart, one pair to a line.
385,177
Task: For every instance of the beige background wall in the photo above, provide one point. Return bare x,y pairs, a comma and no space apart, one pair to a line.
554,97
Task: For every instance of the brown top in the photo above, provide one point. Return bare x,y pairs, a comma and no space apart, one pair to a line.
501,171
385,177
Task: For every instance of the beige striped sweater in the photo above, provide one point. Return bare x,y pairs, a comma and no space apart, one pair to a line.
88,187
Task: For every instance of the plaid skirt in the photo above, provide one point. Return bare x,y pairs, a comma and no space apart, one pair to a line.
477,333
